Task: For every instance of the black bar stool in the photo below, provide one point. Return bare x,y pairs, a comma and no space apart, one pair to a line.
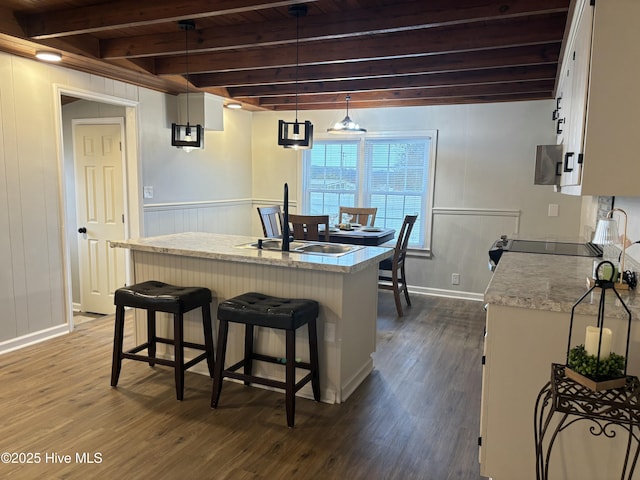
154,296
255,309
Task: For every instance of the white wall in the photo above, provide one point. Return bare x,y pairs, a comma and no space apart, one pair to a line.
33,279
206,190
631,205
484,180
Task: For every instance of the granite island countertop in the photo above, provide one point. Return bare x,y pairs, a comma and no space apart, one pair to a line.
228,247
552,283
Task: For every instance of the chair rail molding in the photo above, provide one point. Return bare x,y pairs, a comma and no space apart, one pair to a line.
481,212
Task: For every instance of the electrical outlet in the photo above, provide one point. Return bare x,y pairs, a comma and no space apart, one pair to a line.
455,279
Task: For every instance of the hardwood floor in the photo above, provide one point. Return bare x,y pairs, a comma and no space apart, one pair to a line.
415,417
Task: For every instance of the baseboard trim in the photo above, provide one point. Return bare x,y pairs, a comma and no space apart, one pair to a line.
438,292
33,338
350,385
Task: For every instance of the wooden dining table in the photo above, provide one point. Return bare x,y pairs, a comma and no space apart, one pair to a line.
362,236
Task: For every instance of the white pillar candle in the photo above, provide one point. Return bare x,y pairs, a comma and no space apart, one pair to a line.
591,342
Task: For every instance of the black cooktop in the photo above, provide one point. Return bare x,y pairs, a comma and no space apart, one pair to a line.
587,249
555,248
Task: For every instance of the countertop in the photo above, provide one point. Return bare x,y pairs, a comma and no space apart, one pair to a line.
553,283
226,247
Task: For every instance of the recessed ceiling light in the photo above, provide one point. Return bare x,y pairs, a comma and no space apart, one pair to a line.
235,106
48,56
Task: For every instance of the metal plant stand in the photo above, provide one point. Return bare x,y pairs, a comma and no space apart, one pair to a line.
574,402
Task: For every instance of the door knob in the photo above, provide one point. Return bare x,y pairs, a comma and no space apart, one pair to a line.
82,230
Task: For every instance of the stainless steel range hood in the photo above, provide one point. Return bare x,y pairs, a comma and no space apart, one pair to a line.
548,165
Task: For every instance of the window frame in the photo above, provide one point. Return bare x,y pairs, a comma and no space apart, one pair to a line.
427,218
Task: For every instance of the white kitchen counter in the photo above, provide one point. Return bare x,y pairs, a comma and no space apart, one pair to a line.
346,288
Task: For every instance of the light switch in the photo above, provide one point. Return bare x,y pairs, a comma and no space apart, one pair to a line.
553,209
147,192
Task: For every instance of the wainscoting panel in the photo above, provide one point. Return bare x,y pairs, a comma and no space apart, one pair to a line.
461,240
224,216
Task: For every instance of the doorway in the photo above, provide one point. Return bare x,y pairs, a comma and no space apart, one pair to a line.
81,107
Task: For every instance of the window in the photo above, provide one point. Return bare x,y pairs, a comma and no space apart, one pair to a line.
392,173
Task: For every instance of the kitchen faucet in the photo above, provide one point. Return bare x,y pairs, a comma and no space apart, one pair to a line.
285,221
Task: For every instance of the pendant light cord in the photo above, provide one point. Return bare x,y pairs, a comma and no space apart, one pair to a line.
297,60
186,51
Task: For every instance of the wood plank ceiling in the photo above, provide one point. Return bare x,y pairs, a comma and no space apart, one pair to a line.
380,52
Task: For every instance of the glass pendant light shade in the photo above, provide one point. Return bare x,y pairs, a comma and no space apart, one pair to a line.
606,232
346,126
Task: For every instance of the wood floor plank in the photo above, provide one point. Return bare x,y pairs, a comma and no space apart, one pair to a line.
415,417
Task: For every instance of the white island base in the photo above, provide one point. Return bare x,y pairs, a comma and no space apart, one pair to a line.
346,290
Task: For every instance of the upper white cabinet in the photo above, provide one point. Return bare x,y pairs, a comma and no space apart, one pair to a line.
599,100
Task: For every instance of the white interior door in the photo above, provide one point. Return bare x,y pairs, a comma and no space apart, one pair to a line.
100,210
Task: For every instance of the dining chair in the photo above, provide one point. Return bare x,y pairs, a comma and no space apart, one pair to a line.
364,216
392,274
306,227
271,220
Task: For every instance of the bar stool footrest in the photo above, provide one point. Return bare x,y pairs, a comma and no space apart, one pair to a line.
267,381
147,358
232,372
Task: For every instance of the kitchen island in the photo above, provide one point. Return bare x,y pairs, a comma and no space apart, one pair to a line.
344,285
529,301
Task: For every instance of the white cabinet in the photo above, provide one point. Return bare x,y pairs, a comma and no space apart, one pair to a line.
577,78
599,101
521,345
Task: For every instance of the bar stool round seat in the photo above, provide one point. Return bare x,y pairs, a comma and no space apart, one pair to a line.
256,309
154,296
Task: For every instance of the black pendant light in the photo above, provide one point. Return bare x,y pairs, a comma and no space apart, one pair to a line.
187,137
346,126
296,135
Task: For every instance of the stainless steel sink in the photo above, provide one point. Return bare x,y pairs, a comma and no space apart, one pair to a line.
327,248
311,248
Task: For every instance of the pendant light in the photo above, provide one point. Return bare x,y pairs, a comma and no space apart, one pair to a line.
289,133
346,126
187,137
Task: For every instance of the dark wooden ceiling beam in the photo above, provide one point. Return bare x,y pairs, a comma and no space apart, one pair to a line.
382,53
545,54
451,38
538,86
366,21
82,44
125,13
413,102
487,76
